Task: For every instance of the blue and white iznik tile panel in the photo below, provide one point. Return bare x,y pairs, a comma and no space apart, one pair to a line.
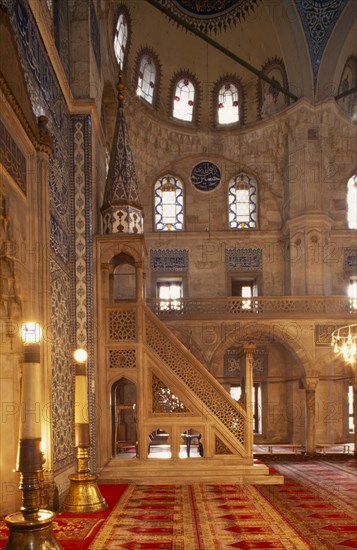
69,226
241,259
83,289
350,259
169,259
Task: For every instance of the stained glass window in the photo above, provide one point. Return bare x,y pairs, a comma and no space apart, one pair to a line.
228,108
184,100
146,79
120,39
168,204
242,202
352,202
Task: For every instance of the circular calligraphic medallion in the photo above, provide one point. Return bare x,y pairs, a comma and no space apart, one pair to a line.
205,176
210,15
209,7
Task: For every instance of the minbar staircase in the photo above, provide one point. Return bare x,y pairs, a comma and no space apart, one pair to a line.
175,392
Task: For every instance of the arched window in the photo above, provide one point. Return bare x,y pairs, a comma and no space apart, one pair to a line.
146,79
228,108
270,99
168,204
121,39
348,84
184,100
352,202
242,202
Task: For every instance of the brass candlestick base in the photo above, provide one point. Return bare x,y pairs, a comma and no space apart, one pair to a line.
84,495
30,534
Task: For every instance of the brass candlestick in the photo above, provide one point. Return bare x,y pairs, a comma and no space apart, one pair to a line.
31,527
83,495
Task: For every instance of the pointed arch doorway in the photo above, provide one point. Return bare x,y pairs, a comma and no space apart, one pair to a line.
124,418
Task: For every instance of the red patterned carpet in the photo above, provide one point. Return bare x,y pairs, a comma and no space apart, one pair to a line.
320,499
316,508
76,531
195,517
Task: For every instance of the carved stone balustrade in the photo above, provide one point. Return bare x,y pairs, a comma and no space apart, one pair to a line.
273,306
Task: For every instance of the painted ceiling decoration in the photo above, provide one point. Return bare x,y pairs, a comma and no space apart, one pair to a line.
211,15
318,19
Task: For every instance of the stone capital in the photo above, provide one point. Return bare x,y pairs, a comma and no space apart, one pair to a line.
249,348
310,383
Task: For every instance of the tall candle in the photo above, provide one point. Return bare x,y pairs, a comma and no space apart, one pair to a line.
30,421
81,396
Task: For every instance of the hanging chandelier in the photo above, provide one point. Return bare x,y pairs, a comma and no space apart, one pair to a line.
344,340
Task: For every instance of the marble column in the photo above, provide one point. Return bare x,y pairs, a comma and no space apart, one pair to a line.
310,414
249,350
140,283
111,285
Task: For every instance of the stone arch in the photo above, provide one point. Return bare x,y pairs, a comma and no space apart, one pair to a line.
117,248
123,277
330,358
264,334
278,387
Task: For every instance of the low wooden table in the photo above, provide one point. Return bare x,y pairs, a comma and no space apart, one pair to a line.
295,448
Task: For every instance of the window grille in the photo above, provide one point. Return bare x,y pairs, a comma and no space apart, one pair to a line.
184,100
242,202
146,79
120,39
228,108
168,205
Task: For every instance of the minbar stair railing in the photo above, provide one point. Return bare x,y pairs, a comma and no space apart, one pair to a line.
201,383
